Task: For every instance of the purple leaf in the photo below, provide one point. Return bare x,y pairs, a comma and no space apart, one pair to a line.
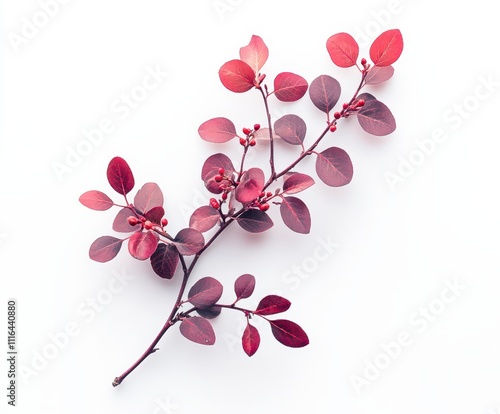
96,200
295,215
343,49
379,74
204,218
250,186
121,223
366,97
250,340
120,176
210,170
217,130
189,241
324,92
237,76
155,214
147,197
105,248
296,183
165,260
289,87
142,245
255,54
291,128
272,304
289,333
255,221
334,167
205,292
244,286
376,118
210,313
198,329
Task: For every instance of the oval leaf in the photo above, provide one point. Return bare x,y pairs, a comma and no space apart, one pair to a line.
105,248
244,286
324,92
155,214
296,183
198,329
289,333
204,218
376,118
142,245
147,197
189,241
250,186
289,87
250,340
272,304
255,221
343,49
387,48
205,292
210,313
96,200
121,224
120,176
334,167
217,130
237,76
255,54
164,260
295,215
379,74
291,128
210,170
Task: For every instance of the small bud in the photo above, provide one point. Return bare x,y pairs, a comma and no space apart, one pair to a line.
262,194
243,141
148,225
224,196
214,203
363,61
218,178
252,143
132,220
247,131
222,171
269,194
336,115
164,222
333,128
264,207
256,127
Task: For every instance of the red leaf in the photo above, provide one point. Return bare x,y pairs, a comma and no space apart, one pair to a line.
96,200
255,54
142,245
198,329
334,167
250,186
379,74
272,304
217,130
147,197
155,214
210,313
387,48
237,76
291,128
343,49
121,224
211,168
289,87
205,292
289,333
165,260
120,176
244,286
376,118
255,221
189,241
297,182
295,215
204,218
105,248
324,92
250,340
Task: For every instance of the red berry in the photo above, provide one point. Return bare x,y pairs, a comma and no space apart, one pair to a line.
148,225
214,203
333,128
132,220
224,196
247,131
345,105
361,103
164,222
264,207
256,127
218,178
269,194
243,141
222,171
363,61
336,115
252,143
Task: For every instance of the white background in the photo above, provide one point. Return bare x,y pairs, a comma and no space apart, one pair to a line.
396,248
